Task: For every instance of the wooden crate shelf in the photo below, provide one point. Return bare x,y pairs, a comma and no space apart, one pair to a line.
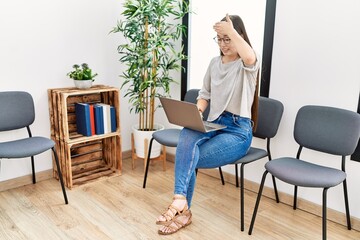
62,108
84,159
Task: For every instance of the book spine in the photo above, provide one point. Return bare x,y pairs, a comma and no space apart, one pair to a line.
92,119
82,112
98,114
106,117
113,118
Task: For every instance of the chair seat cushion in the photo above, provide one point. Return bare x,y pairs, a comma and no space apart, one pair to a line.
167,137
25,147
252,155
305,174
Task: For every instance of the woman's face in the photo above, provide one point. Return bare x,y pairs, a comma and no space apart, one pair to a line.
226,46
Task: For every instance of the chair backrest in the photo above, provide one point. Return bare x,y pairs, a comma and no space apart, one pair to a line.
16,110
191,96
269,117
327,129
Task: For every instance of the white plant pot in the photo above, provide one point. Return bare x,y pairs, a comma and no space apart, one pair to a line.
139,140
83,84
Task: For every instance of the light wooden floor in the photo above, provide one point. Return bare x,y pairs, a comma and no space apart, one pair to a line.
119,208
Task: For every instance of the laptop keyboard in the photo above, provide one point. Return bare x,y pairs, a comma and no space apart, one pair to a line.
209,125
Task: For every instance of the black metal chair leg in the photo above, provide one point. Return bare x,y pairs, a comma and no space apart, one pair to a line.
236,175
273,178
295,197
275,190
147,162
347,205
60,175
33,170
257,202
221,176
242,197
324,214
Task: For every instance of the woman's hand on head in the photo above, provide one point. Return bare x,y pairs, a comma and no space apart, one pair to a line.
224,27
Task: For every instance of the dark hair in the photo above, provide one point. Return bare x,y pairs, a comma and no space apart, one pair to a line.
239,26
241,30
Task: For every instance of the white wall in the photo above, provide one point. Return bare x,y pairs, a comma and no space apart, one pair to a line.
40,41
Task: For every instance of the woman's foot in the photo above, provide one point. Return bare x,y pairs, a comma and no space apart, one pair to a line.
177,207
178,222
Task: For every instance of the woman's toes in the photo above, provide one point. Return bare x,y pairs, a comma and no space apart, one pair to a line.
161,218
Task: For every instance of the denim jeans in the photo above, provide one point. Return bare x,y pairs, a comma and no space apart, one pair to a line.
210,150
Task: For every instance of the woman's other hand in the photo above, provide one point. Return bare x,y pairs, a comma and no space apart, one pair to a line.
224,27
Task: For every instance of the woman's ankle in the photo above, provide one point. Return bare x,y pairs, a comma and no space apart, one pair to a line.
180,201
179,197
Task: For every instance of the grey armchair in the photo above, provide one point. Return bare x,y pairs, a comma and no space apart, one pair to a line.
17,112
325,129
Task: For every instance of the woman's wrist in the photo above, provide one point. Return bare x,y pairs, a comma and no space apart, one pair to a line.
201,113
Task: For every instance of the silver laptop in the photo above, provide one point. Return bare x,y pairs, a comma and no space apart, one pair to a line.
187,115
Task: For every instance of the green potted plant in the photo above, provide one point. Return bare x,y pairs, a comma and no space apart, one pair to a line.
151,28
82,76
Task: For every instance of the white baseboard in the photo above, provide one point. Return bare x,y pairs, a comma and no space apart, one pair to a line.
25,180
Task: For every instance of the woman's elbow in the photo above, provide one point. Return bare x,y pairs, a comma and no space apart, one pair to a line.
249,60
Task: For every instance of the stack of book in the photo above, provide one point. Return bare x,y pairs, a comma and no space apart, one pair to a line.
95,119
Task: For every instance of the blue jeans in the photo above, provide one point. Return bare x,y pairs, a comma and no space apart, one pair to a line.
210,150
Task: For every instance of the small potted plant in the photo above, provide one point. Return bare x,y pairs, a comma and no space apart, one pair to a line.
82,76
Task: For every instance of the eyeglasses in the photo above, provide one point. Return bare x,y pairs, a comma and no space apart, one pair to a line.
224,40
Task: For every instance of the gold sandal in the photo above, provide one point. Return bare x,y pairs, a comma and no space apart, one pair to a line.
173,210
176,224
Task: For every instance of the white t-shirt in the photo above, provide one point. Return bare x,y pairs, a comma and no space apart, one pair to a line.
230,87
